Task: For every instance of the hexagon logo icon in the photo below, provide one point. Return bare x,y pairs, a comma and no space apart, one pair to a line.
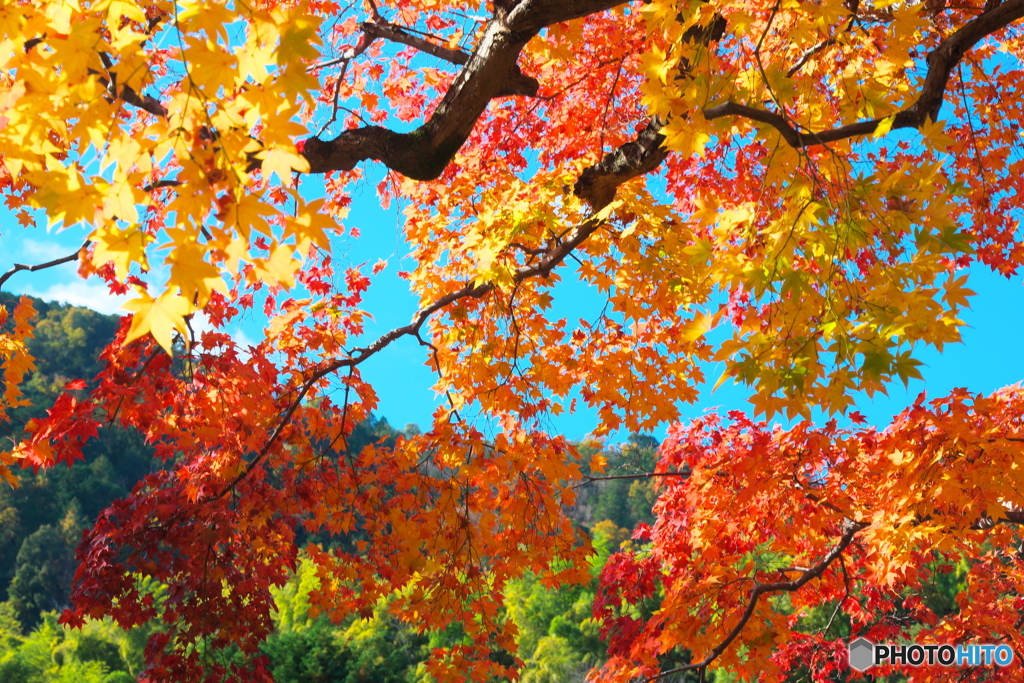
861,654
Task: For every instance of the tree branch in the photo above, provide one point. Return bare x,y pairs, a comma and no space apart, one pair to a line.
555,256
597,184
144,102
125,93
18,267
517,82
440,138
160,184
941,62
490,72
645,475
850,529
1010,516
397,34
424,153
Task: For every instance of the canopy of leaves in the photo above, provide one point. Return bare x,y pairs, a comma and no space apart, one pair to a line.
793,190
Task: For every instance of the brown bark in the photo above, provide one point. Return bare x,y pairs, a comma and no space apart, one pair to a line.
488,73
941,62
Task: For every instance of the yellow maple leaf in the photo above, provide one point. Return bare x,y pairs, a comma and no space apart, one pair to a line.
120,8
212,17
298,38
5,471
884,126
212,65
310,225
122,247
701,324
191,272
933,133
119,203
158,317
280,268
248,214
283,162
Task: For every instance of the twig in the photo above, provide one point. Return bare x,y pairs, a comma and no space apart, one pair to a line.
846,594
18,267
160,184
645,475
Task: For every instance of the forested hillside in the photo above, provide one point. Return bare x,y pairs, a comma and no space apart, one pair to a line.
41,520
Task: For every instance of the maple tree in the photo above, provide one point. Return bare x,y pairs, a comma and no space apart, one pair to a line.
793,189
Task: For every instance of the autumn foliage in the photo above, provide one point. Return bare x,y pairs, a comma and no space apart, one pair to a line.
855,519
796,190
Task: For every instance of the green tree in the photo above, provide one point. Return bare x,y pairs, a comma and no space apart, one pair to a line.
383,650
100,652
304,647
31,661
554,661
624,501
557,632
45,567
314,655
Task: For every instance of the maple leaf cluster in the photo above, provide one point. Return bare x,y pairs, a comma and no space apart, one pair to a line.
792,190
858,519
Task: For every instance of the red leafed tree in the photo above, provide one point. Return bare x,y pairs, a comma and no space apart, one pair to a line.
858,521
795,190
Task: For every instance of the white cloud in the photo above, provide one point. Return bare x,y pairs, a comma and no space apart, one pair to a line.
36,251
201,323
90,294
243,341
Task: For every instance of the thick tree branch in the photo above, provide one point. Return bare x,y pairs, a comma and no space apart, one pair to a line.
850,529
424,153
490,72
1009,516
597,184
1015,516
397,34
941,62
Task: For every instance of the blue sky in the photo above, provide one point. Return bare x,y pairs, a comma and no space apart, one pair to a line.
989,358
